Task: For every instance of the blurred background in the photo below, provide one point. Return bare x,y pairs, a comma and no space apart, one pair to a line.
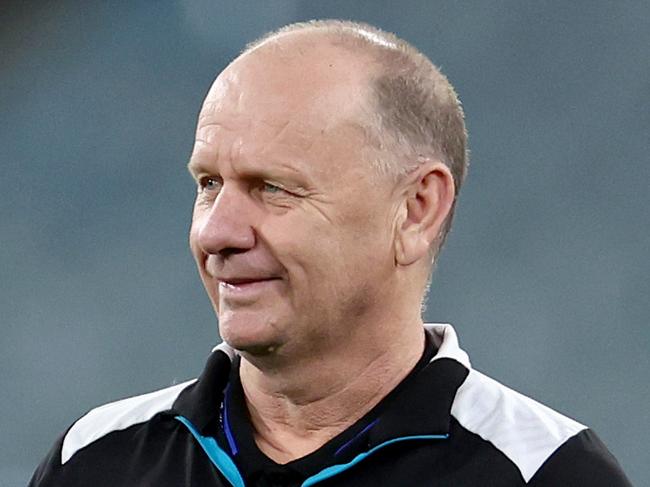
545,274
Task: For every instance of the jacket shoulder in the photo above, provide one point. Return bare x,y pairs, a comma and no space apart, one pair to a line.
116,416
524,430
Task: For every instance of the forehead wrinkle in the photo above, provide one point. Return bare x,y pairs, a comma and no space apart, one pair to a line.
215,141
241,165
294,139
209,139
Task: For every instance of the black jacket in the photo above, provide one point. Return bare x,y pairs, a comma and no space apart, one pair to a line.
450,426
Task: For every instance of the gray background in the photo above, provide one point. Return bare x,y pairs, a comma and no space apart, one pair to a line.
545,274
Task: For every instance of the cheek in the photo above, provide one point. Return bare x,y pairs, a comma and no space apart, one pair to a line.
200,257
306,248
327,266
192,230
316,252
193,236
193,239
367,246
365,226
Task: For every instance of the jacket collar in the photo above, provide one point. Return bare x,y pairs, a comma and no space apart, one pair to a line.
423,407
201,402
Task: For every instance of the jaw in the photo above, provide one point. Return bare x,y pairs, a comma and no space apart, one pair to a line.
257,326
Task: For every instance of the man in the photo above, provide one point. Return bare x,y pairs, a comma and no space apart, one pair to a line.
328,158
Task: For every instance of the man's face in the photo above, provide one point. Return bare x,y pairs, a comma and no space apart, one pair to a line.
292,230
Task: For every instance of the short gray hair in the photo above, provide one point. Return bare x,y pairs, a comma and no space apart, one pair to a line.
415,112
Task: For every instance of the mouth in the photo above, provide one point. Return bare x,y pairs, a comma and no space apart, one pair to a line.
244,281
247,288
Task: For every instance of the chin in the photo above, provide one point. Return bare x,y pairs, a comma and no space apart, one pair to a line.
249,334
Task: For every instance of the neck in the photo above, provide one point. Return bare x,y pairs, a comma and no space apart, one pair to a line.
295,408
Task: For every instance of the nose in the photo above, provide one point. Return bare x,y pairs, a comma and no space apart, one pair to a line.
225,228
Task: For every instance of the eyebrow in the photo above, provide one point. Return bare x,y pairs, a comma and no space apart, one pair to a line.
195,167
286,172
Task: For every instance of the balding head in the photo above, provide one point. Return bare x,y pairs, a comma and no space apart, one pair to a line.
305,69
409,110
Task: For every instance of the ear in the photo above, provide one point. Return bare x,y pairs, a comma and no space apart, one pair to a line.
428,199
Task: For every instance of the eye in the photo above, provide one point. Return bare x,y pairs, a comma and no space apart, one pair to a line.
271,188
208,183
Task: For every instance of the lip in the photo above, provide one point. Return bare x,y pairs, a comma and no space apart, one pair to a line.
244,288
243,281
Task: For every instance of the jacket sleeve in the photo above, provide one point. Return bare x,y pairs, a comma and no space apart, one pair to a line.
582,461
